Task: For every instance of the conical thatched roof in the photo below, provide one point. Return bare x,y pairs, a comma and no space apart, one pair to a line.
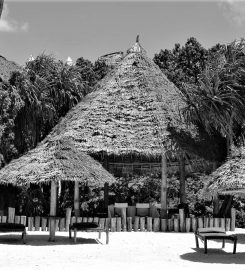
229,178
54,160
129,111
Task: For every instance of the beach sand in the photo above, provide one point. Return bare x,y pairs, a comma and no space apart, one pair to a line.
126,250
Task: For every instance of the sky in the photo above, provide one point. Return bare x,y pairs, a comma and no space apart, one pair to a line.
90,29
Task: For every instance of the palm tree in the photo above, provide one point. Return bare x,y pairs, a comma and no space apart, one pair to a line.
217,102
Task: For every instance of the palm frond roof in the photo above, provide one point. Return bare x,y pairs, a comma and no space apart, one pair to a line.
229,178
128,112
54,161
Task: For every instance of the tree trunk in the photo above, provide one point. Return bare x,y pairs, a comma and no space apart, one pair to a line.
164,187
182,178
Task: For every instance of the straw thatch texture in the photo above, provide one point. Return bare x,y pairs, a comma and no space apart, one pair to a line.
229,178
128,113
54,160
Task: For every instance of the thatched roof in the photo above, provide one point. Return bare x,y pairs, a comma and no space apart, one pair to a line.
128,113
229,178
7,67
55,160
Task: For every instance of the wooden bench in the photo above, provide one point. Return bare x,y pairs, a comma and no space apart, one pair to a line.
214,233
87,227
12,227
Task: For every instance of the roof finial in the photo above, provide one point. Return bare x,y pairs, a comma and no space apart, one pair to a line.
137,38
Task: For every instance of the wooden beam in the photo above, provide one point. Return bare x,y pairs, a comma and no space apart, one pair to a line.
164,187
52,220
182,178
76,199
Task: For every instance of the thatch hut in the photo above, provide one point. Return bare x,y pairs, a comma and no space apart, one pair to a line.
229,178
127,114
54,161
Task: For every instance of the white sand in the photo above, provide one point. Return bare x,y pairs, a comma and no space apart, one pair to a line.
140,250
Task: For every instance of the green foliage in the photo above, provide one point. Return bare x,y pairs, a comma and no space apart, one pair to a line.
34,100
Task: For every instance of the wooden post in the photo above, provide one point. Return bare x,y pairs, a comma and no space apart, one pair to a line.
11,214
53,197
222,223
124,219
170,224
113,224
215,205
164,225
44,223
68,219
136,224
182,178
37,223
142,223
182,220
30,223
130,226
22,220
17,219
156,224
164,187
188,224
106,195
216,222
233,219
119,224
227,224
193,224
149,224
200,222
176,224
76,199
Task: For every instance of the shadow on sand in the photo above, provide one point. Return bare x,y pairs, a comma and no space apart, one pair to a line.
42,240
217,255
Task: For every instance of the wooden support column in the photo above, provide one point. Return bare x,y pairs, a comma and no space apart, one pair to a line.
52,220
164,187
182,178
106,195
76,199
216,205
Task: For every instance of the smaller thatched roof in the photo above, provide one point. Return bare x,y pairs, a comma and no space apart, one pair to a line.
55,160
229,178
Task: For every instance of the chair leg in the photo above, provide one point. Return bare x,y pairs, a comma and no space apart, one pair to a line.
197,244
234,247
69,233
205,246
75,235
99,235
24,236
107,237
223,244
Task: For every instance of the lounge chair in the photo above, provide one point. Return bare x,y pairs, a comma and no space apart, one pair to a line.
87,227
12,227
214,233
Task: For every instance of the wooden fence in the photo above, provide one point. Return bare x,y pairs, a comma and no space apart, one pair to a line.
124,223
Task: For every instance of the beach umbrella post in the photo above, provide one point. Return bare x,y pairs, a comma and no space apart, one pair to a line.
76,199
53,203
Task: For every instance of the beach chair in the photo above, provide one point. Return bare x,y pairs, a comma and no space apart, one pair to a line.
214,233
12,227
87,227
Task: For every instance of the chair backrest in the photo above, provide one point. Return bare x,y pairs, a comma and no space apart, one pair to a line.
142,209
211,230
118,208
